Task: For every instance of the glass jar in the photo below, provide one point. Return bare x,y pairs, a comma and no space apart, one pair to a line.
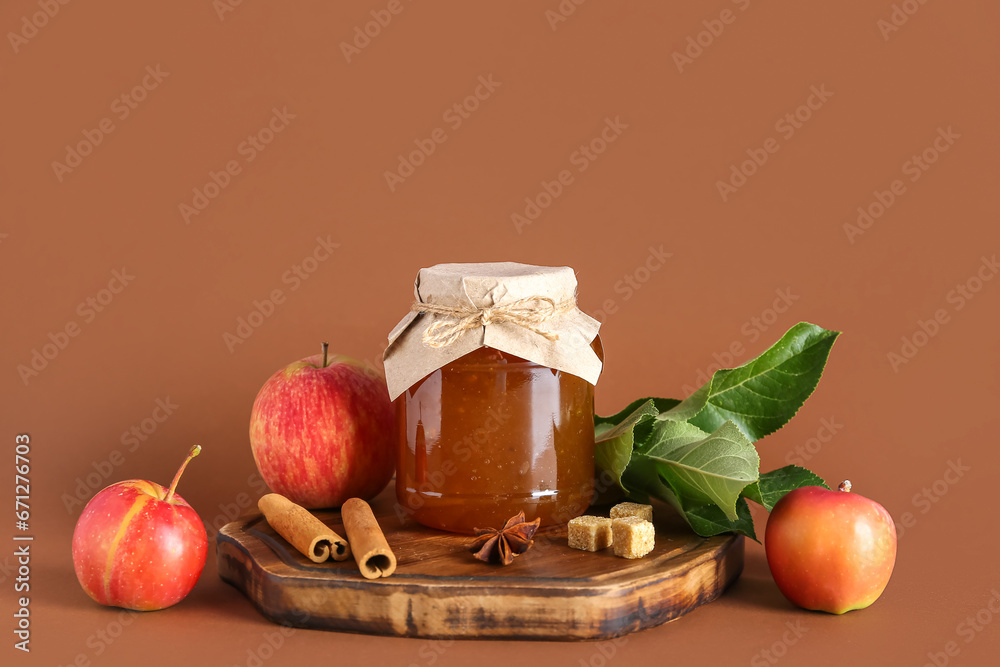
491,434
492,372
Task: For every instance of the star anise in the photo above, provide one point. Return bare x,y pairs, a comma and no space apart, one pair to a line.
501,546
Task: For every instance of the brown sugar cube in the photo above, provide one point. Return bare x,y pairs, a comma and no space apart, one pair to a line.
633,537
589,533
623,510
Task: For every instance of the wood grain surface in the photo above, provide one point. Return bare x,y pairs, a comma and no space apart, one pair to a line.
439,590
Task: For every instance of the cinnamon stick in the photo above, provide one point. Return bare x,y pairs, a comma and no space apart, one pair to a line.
302,530
372,553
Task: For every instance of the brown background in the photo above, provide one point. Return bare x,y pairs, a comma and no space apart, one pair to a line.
323,176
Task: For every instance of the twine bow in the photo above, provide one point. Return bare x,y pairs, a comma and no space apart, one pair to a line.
528,313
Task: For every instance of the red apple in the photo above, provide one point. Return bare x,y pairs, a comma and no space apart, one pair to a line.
138,545
830,550
322,431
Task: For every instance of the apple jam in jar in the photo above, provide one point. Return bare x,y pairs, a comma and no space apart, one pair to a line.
492,432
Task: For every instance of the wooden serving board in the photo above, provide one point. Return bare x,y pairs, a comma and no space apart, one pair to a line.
440,591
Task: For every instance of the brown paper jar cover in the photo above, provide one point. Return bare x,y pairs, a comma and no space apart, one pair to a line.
471,287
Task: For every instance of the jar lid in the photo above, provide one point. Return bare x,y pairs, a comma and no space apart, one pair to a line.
524,310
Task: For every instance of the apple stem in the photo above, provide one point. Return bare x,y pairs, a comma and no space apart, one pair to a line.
326,348
195,451
845,486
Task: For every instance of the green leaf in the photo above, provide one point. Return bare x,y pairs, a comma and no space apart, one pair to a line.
615,440
698,454
708,520
665,437
772,486
644,482
660,405
613,449
704,468
763,394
